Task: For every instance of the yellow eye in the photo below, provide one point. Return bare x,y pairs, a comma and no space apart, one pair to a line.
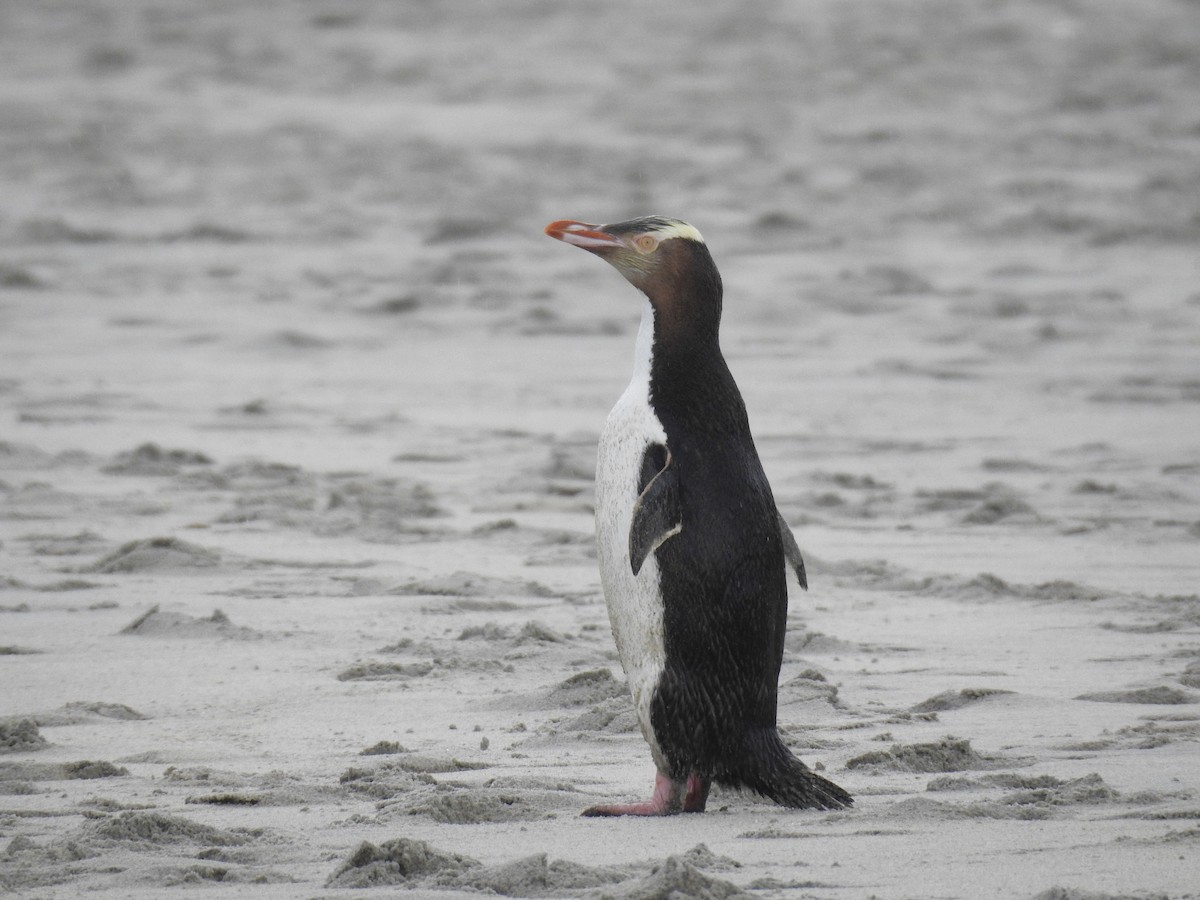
646,243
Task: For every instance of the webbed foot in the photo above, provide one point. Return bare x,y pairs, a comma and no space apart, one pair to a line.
667,800
669,797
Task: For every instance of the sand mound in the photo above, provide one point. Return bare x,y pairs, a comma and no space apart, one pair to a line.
48,587
159,555
1039,790
674,877
26,456
533,631
204,873
613,716
473,806
82,770
414,863
274,788
989,587
383,748
999,780
151,459
401,861
1000,505
536,632
376,509
1061,893
149,828
20,736
488,631
536,876
385,782
385,671
87,769
1028,798
286,795
925,809
472,584
202,775
588,688
25,863
1162,696
422,764
440,665
1089,789
948,700
156,623
948,755
1191,675
105,710
80,711
401,791
607,707
703,858
809,685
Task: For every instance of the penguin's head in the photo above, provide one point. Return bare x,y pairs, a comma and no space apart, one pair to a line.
664,258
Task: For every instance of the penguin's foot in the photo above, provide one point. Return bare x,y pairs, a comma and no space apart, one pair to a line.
667,800
697,793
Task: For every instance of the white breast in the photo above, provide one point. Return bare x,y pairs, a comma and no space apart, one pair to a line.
634,603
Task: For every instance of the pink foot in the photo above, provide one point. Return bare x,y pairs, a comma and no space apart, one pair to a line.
666,800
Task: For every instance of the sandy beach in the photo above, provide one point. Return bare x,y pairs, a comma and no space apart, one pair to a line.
299,409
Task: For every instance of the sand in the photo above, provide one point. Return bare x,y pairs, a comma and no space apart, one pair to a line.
298,410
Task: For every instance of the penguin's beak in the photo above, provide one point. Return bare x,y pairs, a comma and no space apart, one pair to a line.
581,234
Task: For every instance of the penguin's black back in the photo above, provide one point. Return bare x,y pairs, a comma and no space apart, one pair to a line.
722,578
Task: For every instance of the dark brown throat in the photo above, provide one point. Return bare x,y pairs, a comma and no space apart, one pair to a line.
685,291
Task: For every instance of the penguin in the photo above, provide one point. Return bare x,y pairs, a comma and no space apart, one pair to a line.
693,552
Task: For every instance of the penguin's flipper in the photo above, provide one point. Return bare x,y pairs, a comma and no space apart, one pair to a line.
791,550
657,514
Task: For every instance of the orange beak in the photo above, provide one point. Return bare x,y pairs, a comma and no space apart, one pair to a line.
581,234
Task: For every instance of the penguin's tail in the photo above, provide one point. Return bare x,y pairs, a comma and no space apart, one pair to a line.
767,767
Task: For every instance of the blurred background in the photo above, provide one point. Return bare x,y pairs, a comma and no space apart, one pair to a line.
389,127
204,202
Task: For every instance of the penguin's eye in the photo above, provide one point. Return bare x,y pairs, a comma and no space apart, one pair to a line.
645,243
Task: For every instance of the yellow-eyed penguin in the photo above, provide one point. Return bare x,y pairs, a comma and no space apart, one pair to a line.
693,552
